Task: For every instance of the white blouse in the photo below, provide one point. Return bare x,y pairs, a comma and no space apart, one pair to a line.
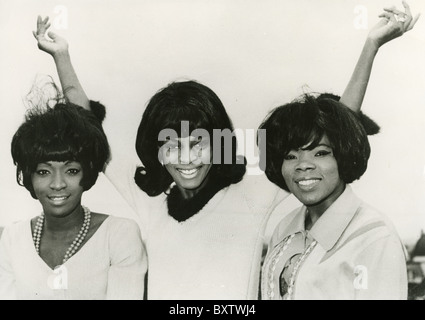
110,265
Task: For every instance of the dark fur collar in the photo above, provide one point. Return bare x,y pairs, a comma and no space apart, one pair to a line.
182,209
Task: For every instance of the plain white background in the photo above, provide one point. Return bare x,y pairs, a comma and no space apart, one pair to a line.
255,55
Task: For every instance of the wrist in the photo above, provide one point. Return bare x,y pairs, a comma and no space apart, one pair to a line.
61,55
371,46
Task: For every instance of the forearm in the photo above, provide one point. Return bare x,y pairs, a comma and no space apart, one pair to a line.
355,91
71,86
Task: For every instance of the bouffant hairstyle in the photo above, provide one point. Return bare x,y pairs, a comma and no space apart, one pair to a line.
167,109
304,122
65,132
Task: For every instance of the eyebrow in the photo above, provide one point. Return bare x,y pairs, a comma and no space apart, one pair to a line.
319,145
45,163
191,142
70,161
66,162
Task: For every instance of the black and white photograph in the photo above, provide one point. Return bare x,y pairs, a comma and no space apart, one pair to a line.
212,150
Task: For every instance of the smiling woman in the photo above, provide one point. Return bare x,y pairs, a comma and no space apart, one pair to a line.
57,185
58,152
335,246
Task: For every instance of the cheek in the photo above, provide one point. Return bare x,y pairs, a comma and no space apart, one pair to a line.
167,155
75,182
331,170
38,184
287,171
206,155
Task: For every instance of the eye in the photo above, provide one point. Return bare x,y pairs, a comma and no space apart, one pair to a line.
42,172
173,146
289,157
202,145
322,153
73,171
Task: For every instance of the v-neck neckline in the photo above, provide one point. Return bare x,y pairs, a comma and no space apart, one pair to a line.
82,249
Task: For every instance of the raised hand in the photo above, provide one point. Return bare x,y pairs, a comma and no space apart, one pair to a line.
54,46
394,23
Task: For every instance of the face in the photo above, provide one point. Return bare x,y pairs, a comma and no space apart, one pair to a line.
57,187
312,175
188,160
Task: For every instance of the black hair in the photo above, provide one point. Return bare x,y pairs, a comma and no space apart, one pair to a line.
304,122
182,101
66,132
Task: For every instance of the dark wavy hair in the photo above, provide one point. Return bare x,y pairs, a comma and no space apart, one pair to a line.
66,132
304,122
182,101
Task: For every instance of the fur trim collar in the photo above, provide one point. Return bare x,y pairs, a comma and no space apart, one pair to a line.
182,209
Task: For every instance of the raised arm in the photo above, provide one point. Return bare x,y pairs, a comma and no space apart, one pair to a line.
58,49
393,24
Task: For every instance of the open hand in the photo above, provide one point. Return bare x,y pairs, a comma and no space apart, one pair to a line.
54,46
394,23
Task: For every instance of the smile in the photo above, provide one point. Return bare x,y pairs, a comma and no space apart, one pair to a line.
307,184
188,173
58,198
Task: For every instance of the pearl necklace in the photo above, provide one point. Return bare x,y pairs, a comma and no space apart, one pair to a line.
73,248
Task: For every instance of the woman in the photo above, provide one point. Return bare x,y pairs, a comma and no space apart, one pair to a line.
68,252
203,226
335,246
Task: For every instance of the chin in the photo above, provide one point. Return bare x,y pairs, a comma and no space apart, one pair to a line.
192,185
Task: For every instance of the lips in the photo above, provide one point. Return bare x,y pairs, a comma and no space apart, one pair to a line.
307,183
188,173
58,199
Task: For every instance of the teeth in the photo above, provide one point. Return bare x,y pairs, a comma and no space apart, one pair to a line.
307,182
58,198
188,172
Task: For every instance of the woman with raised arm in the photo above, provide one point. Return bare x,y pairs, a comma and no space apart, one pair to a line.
67,252
204,222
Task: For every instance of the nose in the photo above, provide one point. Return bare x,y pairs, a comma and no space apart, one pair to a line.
188,155
58,181
184,154
305,163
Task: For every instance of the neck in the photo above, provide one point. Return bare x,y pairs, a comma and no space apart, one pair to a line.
64,224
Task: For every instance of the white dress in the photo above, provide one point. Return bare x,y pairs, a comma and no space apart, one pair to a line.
110,265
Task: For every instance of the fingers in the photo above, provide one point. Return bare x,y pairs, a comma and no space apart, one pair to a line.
388,16
408,14
394,11
398,15
394,29
407,8
38,22
52,35
382,22
42,25
405,19
413,22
